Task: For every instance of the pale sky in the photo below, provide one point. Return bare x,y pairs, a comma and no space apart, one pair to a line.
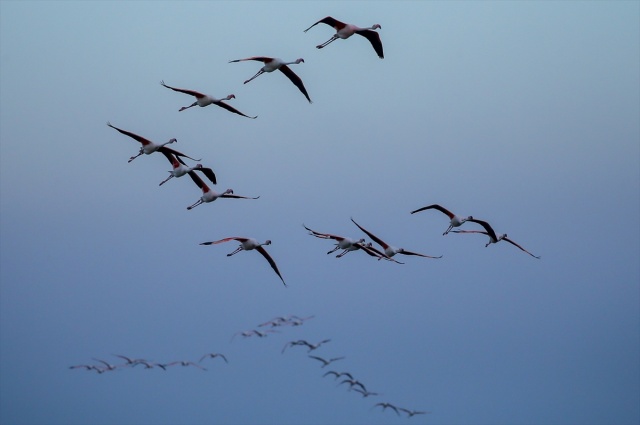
523,114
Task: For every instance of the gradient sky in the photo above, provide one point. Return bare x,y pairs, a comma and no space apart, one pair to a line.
524,114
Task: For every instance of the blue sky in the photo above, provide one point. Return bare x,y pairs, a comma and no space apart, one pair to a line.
524,114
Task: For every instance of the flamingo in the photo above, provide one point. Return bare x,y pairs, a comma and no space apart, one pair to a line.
348,245
326,362
203,100
352,383
253,332
493,237
456,221
185,363
209,195
411,413
130,361
271,64
248,244
338,374
148,147
365,393
390,251
213,356
107,365
387,405
180,169
345,31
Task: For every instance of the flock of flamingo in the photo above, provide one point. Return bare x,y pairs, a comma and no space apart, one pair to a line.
383,250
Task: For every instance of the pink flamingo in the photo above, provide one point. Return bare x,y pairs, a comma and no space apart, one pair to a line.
148,147
456,221
203,100
271,64
493,237
180,169
209,195
345,31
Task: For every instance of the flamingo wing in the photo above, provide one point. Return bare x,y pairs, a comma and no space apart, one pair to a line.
329,21
171,157
487,227
372,236
415,253
295,80
132,135
515,244
374,39
207,172
266,255
263,59
232,109
190,92
196,179
437,207
231,195
233,238
176,153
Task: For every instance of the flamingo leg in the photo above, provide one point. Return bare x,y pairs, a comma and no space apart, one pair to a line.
320,46
166,180
342,253
257,74
334,249
187,107
238,249
198,202
134,157
448,229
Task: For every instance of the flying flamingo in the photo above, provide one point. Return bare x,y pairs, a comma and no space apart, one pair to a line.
180,169
365,393
389,405
253,332
493,237
209,195
213,356
353,382
348,245
326,362
390,251
345,31
271,64
185,363
338,374
411,413
203,100
455,220
248,244
148,147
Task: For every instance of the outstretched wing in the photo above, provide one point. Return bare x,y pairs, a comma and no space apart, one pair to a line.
233,238
515,244
374,39
487,227
176,153
405,252
231,195
295,80
329,21
190,92
437,207
372,236
207,172
263,59
323,235
266,255
232,109
132,135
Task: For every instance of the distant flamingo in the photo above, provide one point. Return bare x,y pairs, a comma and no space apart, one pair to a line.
342,241
456,221
411,413
185,363
387,405
209,195
493,237
345,31
271,64
203,100
253,332
390,251
325,362
338,374
213,356
180,169
148,147
248,244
